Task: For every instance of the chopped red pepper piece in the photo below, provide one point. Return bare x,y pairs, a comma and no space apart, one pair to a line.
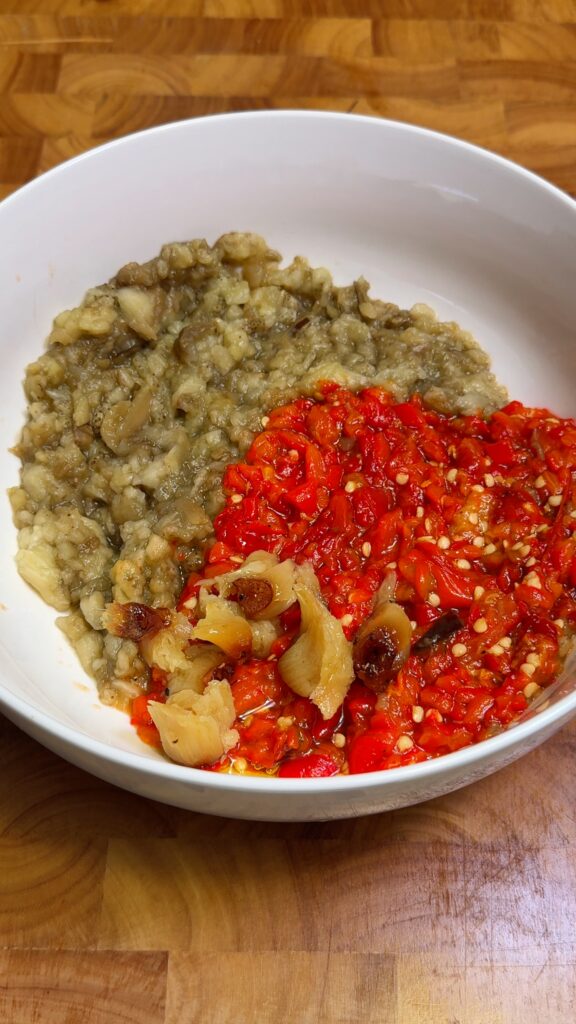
311,766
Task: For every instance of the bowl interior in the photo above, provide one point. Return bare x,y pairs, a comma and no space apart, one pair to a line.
422,217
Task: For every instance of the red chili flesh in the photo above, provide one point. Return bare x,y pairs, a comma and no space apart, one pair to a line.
475,516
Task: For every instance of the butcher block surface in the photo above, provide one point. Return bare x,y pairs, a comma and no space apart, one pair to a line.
118,910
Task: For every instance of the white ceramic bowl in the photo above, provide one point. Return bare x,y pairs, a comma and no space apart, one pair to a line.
423,217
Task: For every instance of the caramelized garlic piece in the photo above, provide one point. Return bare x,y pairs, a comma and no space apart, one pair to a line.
163,639
133,621
194,728
319,664
263,586
167,649
224,626
201,660
263,636
382,645
252,595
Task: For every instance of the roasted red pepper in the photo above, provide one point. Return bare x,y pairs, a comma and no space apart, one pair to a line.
466,513
311,766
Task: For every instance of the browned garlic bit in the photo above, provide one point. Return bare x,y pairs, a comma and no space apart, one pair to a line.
133,621
382,643
253,595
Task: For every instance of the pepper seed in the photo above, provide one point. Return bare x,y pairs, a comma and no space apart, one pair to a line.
404,743
533,580
531,690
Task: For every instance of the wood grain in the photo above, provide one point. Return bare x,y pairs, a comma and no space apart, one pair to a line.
95,988
501,73
357,988
114,909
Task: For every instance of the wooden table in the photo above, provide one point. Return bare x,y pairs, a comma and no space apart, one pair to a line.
115,910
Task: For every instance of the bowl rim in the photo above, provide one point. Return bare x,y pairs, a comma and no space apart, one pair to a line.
431,769
304,115
434,768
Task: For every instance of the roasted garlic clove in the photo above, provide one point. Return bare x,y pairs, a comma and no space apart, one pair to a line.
142,309
201,660
187,666
133,621
224,626
253,595
263,586
382,645
281,578
319,664
264,634
195,729
168,647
